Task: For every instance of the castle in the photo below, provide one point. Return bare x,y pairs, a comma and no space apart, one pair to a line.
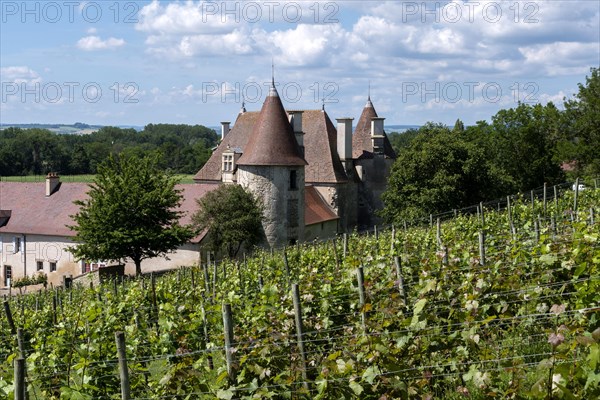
313,178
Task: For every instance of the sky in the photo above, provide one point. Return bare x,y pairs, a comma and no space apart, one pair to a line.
194,62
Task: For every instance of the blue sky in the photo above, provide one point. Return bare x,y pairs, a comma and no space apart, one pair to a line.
140,62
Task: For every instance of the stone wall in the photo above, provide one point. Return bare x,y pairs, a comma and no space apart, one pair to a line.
373,183
283,207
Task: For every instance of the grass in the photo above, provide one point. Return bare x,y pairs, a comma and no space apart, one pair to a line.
183,178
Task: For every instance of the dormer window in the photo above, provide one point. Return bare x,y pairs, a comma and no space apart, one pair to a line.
229,159
228,162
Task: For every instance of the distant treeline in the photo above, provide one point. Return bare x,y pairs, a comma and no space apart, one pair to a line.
184,148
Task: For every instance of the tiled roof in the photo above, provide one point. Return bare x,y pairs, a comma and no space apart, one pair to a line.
320,139
320,149
272,141
236,138
34,213
362,146
316,208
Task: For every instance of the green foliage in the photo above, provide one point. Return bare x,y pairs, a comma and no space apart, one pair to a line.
466,330
522,142
183,148
39,279
233,217
130,213
582,126
401,141
438,171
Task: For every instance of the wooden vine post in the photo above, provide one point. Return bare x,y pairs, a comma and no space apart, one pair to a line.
123,370
576,197
482,248
9,317
335,254
397,263
360,276
19,376
228,331
299,331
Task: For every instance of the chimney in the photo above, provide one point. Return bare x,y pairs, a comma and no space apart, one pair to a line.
224,129
377,134
344,138
296,121
52,183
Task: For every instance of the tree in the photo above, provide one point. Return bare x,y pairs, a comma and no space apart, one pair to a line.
439,171
233,217
523,142
459,126
131,212
582,123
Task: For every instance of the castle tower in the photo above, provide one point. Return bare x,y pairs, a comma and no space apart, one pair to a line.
374,157
272,167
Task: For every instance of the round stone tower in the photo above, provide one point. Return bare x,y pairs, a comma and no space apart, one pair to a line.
272,167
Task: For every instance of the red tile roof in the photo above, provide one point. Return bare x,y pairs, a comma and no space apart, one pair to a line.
34,213
316,208
272,141
362,145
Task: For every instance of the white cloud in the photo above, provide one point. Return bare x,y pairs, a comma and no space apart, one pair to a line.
305,45
91,43
187,18
19,75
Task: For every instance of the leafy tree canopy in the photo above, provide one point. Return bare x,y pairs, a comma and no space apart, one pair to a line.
131,212
582,125
440,170
233,217
183,148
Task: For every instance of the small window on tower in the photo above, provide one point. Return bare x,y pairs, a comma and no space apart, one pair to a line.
293,179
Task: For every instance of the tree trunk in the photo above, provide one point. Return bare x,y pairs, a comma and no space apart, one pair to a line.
138,267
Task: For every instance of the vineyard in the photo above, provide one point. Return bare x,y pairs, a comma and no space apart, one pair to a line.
502,304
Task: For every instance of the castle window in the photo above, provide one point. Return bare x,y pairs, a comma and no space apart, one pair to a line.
293,179
52,266
39,265
16,244
228,162
292,213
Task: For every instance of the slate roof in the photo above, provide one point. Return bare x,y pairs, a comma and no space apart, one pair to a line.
362,145
236,138
320,150
272,141
316,208
34,213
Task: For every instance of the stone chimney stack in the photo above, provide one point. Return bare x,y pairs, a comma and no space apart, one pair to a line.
224,129
52,183
344,138
296,122
377,134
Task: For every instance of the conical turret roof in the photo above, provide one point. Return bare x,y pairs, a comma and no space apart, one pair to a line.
272,141
362,145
